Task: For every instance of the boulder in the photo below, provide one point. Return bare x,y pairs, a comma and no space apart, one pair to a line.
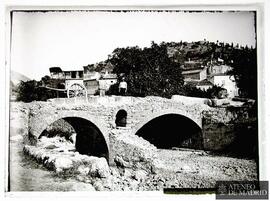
98,185
62,163
127,173
140,175
114,172
99,168
83,170
120,162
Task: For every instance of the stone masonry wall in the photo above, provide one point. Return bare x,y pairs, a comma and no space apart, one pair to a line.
102,111
221,127
131,151
217,124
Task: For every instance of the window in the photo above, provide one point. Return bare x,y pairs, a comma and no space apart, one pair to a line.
80,74
67,74
73,74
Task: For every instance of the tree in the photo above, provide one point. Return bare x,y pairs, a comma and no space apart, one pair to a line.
148,71
213,92
27,91
245,71
33,91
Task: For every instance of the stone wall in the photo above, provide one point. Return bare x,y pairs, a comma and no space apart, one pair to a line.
130,151
222,127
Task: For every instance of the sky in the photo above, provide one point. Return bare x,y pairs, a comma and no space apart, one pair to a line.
75,39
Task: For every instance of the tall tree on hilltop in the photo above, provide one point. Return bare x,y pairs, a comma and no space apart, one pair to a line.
148,71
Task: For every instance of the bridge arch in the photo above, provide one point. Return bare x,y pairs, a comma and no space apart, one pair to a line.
91,135
167,129
196,118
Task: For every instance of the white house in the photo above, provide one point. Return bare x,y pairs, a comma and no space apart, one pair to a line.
227,82
107,80
219,69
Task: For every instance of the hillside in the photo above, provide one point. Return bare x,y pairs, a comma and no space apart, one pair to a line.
16,77
199,52
203,51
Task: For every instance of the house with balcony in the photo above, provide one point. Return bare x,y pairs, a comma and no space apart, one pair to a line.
72,77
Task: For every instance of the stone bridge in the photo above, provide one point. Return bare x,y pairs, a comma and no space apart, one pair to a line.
215,125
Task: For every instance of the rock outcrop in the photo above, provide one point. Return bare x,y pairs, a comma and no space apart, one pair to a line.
60,155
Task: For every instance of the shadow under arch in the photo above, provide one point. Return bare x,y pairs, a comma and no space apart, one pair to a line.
89,138
172,130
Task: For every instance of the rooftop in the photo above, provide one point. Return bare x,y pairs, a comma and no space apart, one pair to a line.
205,82
194,83
55,69
191,71
109,76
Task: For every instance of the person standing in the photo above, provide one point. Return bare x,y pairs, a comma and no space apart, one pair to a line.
123,87
102,87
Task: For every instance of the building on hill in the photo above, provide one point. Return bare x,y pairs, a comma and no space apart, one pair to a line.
218,69
218,75
90,78
206,77
89,73
192,64
70,77
73,77
107,80
227,82
204,84
95,80
91,85
195,74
